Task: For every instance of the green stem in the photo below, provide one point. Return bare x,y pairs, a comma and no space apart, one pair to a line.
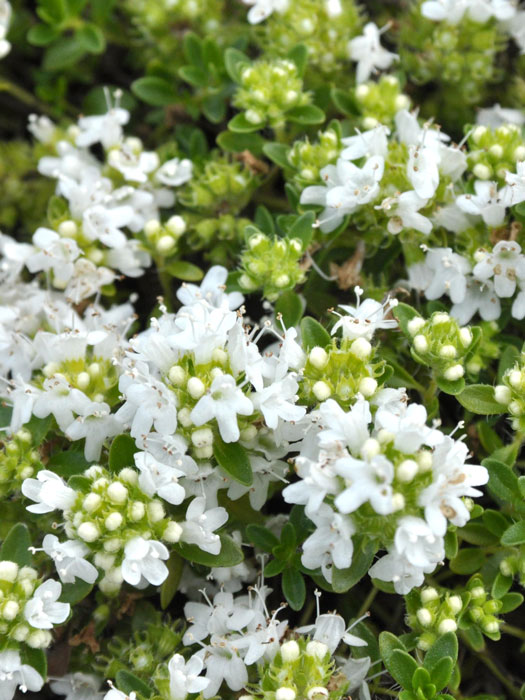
429,393
514,631
367,602
26,97
484,657
165,282
385,691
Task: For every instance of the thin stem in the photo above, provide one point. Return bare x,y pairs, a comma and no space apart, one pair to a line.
514,631
385,691
484,657
367,602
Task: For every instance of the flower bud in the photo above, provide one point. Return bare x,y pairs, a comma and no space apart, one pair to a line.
290,651
361,348
415,324
421,344
317,649
318,357
285,694
195,387
172,532
447,625
429,594
407,470
8,571
321,390
424,617
367,386
454,373
117,492
502,394
88,532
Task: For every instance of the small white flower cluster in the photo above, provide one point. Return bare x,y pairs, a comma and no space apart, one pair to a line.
505,12
478,287
90,246
349,187
197,373
412,475
29,609
240,633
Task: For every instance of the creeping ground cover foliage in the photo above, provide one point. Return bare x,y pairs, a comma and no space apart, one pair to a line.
262,373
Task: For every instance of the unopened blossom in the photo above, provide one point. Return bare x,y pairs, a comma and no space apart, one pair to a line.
369,54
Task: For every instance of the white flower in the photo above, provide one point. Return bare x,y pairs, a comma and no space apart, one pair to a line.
450,10
174,172
505,264
514,191
396,568
369,54
148,402
87,279
488,202
104,224
43,610
373,142
78,686
449,274
211,290
349,428
262,9
224,401
14,674
331,543
497,115
278,401
408,424
415,541
60,399
106,128
200,525
317,479
423,171
49,492
364,319
134,166
481,298
95,424
184,676
143,562
453,480
55,253
330,629
347,188
69,559
158,478
366,480
402,211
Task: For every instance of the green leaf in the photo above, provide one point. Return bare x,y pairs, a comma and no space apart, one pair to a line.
442,672
401,667
514,535
299,55
128,683
36,658
233,458
264,220
501,585
73,593
306,114
344,102
404,314
503,483
475,637
495,521
64,53
261,537
479,398
92,38
294,588
183,270
154,91
278,153
508,358
236,142
451,387
476,533
234,62
170,586
274,567
445,645
42,35
451,544
291,307
345,579
388,643
302,228
313,334
68,463
52,11
510,601
489,438
240,124
16,545
121,453
192,48
468,561
194,75
214,108
230,554
39,428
